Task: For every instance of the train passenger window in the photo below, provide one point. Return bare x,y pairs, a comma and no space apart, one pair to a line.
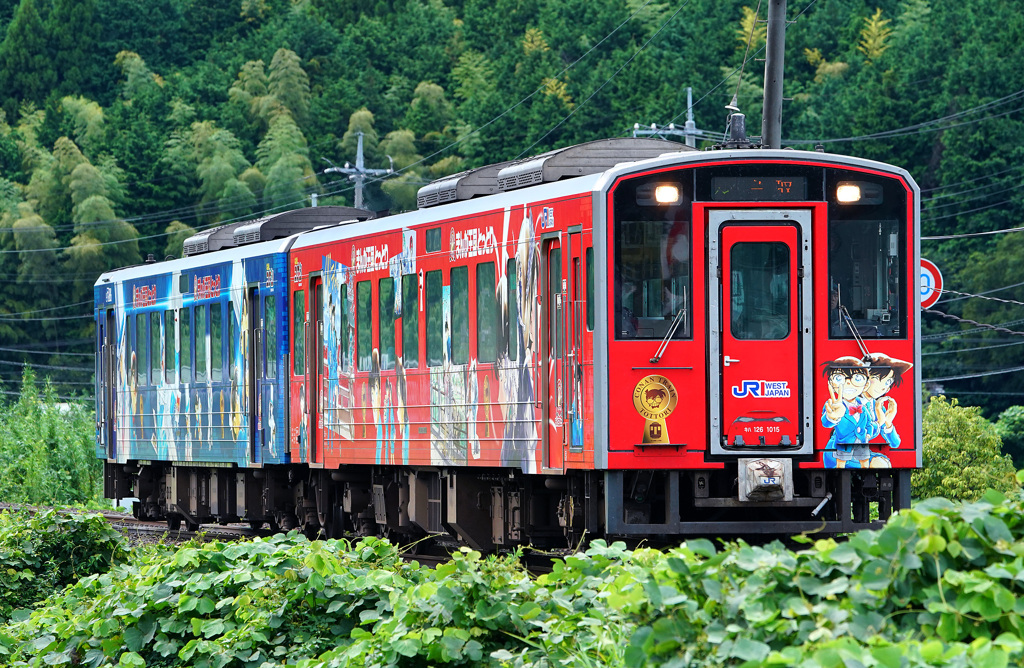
156,357
185,358
410,321
486,314
202,339
512,305
216,337
170,347
865,269
386,326
652,270
460,315
759,302
346,336
364,325
435,320
590,289
433,240
299,333
270,335
141,346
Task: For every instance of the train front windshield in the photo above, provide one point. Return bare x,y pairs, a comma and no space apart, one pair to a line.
653,274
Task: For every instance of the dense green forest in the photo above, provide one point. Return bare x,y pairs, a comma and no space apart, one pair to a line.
126,125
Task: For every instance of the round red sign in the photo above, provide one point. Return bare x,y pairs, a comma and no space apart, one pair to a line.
931,283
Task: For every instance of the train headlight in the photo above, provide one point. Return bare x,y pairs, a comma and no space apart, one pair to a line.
659,193
858,192
666,194
847,193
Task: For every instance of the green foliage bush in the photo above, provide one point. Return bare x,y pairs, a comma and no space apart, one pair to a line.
962,454
43,553
940,585
1010,427
47,449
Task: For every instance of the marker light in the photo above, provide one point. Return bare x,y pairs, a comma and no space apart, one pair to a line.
847,193
666,194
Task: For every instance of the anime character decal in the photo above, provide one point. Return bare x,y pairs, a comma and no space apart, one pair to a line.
858,410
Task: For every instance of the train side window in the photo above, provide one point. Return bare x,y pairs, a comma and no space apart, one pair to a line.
216,339
364,325
185,358
298,333
141,346
486,314
202,338
590,289
435,320
410,321
346,336
155,353
270,335
460,315
386,326
512,304
433,240
170,346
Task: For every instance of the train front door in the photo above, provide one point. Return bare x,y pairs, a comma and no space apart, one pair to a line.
315,369
554,346
254,372
759,317
106,398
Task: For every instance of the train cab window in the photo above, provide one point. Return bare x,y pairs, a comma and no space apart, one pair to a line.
590,289
216,338
435,319
386,324
512,304
202,338
486,314
867,258
170,347
410,321
270,335
299,333
141,346
759,300
364,325
185,358
459,315
652,271
156,357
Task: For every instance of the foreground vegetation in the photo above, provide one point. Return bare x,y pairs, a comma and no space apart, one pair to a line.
939,585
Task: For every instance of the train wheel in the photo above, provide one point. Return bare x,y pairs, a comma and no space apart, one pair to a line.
174,522
192,526
255,525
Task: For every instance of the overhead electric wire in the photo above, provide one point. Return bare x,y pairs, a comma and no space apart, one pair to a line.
968,350
944,237
974,375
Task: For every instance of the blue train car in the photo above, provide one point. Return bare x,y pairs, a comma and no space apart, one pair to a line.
191,370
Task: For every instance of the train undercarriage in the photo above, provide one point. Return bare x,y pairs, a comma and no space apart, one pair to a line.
495,509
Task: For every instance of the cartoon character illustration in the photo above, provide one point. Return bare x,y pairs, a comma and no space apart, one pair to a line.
884,372
858,411
516,390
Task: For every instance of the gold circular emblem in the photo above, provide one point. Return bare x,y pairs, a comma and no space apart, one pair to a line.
655,397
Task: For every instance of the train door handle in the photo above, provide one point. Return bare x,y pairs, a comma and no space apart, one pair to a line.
728,360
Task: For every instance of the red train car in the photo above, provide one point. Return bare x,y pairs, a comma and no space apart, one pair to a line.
623,338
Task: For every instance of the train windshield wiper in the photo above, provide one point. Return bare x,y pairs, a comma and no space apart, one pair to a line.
680,316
